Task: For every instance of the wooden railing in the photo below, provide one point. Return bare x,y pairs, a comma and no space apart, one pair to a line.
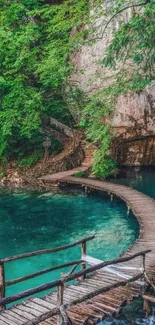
59,284
4,284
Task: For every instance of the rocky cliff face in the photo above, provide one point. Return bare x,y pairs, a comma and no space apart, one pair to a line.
133,125
133,120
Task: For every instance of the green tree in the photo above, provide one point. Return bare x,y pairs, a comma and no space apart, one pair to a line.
133,46
35,47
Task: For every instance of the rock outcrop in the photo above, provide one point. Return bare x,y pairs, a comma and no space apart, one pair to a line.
133,125
133,120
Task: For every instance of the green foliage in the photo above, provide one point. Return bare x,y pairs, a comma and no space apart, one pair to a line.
96,119
21,146
104,165
2,174
80,174
25,158
35,46
56,146
30,161
132,49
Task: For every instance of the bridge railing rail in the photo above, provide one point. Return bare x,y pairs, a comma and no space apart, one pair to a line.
3,283
59,284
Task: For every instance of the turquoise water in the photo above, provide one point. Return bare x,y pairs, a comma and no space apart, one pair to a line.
32,221
143,181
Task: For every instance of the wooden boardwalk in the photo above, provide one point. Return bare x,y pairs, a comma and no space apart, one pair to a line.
105,289
142,206
58,176
88,151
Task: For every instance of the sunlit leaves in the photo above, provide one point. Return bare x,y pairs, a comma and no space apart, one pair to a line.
35,48
135,42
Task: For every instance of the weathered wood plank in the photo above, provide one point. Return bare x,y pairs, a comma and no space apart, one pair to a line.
28,309
43,303
6,320
2,322
23,313
35,306
12,319
16,316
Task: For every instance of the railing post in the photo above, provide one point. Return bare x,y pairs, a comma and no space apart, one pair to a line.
146,304
83,252
60,290
86,189
128,210
2,282
143,256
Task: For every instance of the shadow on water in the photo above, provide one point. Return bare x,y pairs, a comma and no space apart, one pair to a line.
143,180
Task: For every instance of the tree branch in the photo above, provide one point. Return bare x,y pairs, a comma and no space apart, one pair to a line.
121,10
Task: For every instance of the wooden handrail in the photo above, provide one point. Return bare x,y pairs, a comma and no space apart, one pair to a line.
29,292
4,284
45,251
71,277
102,265
50,269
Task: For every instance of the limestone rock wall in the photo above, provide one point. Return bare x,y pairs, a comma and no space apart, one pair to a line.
133,121
133,126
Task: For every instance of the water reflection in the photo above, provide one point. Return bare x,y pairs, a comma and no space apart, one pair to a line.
143,181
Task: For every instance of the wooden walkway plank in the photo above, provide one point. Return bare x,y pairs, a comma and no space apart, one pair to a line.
14,315
61,175
11,318
43,303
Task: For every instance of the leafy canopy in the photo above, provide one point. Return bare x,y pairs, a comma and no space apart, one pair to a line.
132,49
35,45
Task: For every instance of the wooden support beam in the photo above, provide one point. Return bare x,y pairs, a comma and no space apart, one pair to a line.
86,189
147,305
128,210
60,290
143,257
149,298
111,197
84,252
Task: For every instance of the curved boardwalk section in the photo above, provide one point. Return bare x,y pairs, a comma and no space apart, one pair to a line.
142,206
